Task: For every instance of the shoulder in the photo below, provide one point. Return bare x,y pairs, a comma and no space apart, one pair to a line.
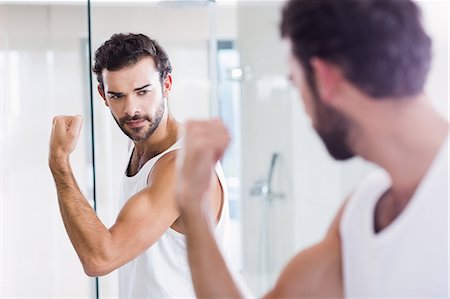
313,268
374,181
164,168
167,159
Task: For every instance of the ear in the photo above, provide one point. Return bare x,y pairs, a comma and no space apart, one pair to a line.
167,85
102,94
328,78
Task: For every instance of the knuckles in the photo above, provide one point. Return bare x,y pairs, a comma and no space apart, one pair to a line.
203,137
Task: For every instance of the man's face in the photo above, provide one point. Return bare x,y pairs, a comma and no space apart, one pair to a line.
331,125
135,97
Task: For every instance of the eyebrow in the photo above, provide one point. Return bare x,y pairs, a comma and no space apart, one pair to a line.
114,93
140,88
136,89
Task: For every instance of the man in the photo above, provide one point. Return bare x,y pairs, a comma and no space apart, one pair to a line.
146,241
360,66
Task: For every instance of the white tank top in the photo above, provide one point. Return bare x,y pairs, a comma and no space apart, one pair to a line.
162,271
410,257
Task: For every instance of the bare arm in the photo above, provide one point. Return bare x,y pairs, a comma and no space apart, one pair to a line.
210,274
204,145
78,217
315,272
141,222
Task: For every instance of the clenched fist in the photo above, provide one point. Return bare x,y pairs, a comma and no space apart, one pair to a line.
64,136
204,145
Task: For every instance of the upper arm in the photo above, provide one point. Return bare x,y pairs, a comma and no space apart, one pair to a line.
148,214
216,201
316,271
145,216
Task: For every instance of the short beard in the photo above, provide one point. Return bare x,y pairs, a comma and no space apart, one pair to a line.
332,127
154,124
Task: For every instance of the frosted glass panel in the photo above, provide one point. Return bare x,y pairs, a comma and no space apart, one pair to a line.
43,73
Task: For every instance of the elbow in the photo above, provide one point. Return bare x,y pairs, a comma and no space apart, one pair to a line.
98,260
96,267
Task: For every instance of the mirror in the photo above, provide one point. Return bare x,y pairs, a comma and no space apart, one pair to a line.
228,61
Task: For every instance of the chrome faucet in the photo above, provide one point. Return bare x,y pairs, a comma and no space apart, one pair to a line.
263,188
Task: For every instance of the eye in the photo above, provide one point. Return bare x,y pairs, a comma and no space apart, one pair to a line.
143,92
116,96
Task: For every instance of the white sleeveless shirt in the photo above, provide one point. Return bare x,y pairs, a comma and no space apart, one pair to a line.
162,271
408,258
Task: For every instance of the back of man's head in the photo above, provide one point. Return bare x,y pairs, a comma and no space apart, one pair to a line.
380,45
123,50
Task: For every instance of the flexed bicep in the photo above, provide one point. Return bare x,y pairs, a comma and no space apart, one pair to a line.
144,218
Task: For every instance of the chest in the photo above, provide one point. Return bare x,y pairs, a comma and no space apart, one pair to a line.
137,162
387,209
407,257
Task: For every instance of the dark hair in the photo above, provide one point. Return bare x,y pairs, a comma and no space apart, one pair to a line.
123,50
380,45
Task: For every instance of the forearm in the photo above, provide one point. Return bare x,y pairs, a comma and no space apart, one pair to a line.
210,273
86,232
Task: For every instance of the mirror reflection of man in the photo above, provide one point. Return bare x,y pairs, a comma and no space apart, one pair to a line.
360,66
146,242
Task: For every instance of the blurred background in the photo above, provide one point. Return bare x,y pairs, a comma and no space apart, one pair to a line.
228,61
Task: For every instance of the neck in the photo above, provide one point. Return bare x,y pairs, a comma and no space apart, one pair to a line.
404,143
164,136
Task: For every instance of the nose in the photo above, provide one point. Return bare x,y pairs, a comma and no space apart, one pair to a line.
131,106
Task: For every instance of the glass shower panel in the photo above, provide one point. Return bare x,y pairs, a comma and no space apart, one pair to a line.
280,161
44,73
183,30
256,103
265,133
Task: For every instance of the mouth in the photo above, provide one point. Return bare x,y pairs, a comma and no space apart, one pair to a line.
135,123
